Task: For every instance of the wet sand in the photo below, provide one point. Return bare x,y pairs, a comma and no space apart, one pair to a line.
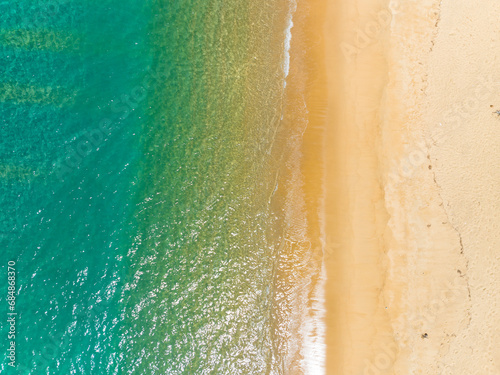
411,187
357,321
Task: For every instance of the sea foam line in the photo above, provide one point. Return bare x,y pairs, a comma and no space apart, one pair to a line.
314,331
288,40
313,328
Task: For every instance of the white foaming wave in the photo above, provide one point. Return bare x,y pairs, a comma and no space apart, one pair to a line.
314,330
314,346
312,325
288,40
309,308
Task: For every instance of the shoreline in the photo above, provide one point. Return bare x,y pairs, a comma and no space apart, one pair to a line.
358,325
301,186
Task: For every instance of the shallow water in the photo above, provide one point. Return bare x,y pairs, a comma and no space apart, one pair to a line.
138,177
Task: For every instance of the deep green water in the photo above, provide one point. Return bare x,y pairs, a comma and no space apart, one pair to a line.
137,170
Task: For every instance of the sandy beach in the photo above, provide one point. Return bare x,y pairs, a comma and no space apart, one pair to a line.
411,187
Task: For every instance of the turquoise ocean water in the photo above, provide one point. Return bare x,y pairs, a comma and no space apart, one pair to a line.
138,175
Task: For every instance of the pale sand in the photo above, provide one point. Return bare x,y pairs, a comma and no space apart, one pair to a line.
413,187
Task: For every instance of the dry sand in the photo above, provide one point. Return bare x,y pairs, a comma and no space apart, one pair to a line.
412,187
